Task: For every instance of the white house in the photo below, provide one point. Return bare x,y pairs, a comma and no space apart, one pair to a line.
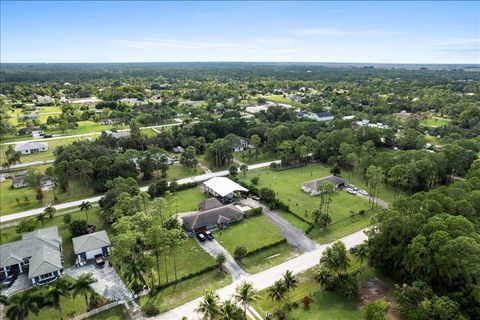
243,144
31,147
88,246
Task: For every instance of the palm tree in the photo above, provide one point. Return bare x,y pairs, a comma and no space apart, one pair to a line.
245,294
209,306
82,286
85,206
324,277
3,300
335,258
22,304
278,291
56,291
230,311
220,259
42,217
50,211
362,252
290,281
243,169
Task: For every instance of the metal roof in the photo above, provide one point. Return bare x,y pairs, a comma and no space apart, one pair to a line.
90,241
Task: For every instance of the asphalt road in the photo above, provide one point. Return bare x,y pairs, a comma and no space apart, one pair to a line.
265,278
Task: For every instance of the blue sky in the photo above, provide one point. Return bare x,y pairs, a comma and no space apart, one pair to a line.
383,32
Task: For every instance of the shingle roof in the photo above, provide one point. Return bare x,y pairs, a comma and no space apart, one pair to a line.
211,217
210,203
90,241
315,184
41,246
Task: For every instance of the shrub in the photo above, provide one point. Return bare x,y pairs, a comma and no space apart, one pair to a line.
266,194
306,301
78,228
150,310
254,212
254,180
361,212
376,310
240,252
94,301
67,218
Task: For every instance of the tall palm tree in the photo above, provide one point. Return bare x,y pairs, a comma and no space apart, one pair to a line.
278,291
56,291
22,304
82,286
290,282
209,306
84,207
50,211
3,300
324,277
42,217
230,311
362,252
245,294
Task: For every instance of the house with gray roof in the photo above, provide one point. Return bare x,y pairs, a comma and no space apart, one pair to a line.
313,187
38,254
219,217
31,147
88,246
210,203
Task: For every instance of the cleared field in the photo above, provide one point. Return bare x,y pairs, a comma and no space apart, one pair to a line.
434,122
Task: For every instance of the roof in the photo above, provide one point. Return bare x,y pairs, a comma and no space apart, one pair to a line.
210,203
41,246
18,179
324,114
90,241
211,217
119,135
29,129
30,145
223,186
315,184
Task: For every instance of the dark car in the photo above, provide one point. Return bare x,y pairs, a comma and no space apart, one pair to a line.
8,281
201,237
353,249
209,235
99,260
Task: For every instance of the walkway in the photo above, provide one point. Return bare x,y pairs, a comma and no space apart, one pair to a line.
213,248
295,237
199,178
264,279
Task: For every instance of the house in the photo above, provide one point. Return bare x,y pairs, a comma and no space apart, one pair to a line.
311,187
30,116
325,116
133,101
19,182
45,99
31,147
219,217
91,101
322,116
210,203
39,254
33,131
118,135
348,117
243,144
88,246
294,97
178,149
222,187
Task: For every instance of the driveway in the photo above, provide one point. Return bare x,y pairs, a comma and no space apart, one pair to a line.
21,283
377,200
213,248
109,284
295,237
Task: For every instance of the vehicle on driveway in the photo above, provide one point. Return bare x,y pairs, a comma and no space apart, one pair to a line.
351,186
351,191
99,260
201,237
363,192
8,281
255,198
208,235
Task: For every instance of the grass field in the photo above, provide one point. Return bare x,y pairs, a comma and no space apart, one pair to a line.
262,157
188,200
115,313
185,291
252,233
434,122
177,171
268,258
9,234
203,160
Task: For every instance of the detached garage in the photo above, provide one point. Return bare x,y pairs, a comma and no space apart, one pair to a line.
89,246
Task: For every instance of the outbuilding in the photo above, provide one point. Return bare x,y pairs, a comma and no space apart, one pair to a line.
90,245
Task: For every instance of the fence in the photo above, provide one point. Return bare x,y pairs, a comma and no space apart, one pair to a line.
98,310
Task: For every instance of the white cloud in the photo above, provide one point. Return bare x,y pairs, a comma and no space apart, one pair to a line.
337,32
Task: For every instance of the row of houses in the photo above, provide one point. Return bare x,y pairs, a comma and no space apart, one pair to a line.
39,254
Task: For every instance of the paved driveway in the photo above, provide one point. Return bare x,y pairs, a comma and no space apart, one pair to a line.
295,237
214,248
109,284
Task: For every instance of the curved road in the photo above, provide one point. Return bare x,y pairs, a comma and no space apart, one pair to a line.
199,178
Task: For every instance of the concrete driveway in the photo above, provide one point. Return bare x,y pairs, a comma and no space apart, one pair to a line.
109,284
295,237
213,248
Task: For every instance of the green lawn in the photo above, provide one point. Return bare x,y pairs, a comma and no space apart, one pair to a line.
188,200
177,171
262,157
185,291
116,313
268,258
281,99
434,122
252,233
203,160
302,225
9,234
149,132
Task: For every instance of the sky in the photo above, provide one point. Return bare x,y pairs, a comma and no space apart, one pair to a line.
363,32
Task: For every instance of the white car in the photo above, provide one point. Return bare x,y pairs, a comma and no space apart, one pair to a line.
363,192
351,191
351,186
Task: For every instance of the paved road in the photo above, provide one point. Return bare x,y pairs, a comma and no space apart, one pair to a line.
214,248
87,134
265,278
27,164
295,237
199,178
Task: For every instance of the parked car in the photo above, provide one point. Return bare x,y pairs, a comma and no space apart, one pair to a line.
255,198
209,235
353,249
351,186
99,260
363,192
351,191
201,237
8,281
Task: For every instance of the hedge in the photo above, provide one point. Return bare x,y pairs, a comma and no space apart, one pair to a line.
185,186
268,246
187,276
254,212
